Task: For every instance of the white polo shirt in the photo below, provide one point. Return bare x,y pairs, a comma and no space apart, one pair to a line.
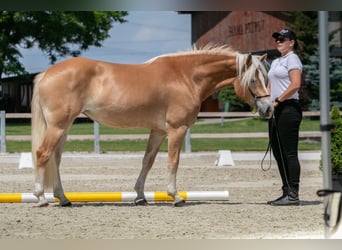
278,75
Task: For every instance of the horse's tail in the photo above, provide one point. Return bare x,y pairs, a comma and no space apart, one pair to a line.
38,128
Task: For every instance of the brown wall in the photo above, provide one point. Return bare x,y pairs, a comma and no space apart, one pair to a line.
245,31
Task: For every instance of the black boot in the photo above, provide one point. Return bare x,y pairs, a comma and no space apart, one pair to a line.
285,193
291,199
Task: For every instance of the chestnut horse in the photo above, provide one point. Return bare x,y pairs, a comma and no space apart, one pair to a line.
163,94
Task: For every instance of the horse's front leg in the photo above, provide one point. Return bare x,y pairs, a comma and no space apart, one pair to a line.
175,142
155,140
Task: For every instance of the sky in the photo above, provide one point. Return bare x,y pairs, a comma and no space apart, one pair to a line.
145,35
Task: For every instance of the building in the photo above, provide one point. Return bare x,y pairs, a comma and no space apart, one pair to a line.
16,94
247,32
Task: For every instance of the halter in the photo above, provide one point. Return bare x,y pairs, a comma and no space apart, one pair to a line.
256,97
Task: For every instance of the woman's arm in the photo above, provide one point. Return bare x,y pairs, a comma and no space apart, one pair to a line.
295,80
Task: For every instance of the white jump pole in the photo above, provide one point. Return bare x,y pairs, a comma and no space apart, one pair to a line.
96,137
115,196
3,131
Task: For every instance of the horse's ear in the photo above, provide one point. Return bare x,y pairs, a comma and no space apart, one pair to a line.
248,60
263,57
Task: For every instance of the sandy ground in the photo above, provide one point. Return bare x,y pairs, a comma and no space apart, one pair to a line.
244,216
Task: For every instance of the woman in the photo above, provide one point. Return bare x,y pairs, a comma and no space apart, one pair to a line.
284,82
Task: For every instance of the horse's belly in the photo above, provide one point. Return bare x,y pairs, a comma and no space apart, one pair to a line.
128,119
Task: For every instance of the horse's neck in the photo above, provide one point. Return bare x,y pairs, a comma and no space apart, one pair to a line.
213,75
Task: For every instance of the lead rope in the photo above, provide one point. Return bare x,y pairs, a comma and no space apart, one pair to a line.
269,148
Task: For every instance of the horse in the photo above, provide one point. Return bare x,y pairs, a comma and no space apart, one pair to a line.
163,94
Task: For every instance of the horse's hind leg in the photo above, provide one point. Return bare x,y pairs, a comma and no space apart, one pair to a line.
155,140
39,187
58,188
47,148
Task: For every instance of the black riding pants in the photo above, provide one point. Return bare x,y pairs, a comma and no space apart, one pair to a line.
284,135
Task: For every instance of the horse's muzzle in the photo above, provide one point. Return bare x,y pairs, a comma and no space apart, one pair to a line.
265,108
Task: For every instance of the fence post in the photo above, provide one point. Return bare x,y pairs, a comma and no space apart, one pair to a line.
187,141
3,131
96,137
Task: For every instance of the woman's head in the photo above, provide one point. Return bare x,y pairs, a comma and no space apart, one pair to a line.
286,40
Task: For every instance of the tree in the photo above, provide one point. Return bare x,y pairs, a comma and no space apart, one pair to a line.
56,33
335,73
305,25
227,94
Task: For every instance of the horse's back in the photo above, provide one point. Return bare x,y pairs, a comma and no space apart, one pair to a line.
120,95
106,92
72,66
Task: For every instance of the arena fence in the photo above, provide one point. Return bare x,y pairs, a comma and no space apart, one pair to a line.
221,115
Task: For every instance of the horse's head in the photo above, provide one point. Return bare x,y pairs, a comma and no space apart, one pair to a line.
253,79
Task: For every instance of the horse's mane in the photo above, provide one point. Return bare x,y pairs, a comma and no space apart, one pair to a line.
209,49
212,49
245,76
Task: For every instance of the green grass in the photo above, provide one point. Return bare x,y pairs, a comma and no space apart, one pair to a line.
240,126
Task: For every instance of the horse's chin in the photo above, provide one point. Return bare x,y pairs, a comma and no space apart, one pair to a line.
267,114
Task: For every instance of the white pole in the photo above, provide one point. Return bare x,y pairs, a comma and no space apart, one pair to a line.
96,137
116,196
324,97
3,131
188,141
325,103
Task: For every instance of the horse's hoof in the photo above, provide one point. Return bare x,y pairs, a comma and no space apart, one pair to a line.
43,204
179,203
66,204
140,202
